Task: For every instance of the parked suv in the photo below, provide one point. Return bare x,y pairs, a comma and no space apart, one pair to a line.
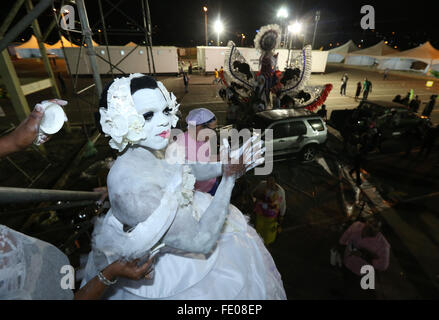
294,131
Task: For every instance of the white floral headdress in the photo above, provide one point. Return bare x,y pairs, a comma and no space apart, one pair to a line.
121,121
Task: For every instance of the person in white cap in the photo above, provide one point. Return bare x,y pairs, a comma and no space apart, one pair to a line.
201,125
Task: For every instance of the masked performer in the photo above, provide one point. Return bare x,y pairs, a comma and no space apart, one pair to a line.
289,86
208,251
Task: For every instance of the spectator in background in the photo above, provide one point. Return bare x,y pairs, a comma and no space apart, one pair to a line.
358,91
201,125
217,78
414,104
344,83
322,113
364,245
190,67
270,207
406,99
186,82
386,72
429,107
367,88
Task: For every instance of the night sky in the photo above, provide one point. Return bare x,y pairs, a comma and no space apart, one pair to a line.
181,23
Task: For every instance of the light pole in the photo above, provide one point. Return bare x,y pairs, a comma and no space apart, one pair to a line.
218,28
317,18
282,14
242,39
295,30
205,23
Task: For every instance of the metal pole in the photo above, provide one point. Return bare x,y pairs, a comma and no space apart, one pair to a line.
24,23
145,25
205,27
62,206
12,83
25,195
46,62
11,15
105,36
317,18
148,16
217,39
86,31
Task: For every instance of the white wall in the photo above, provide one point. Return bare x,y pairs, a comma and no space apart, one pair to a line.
395,64
359,60
335,57
214,58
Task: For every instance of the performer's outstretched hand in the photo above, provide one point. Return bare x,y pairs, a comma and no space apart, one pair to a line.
247,157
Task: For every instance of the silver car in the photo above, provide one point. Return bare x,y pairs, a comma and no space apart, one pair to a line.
294,131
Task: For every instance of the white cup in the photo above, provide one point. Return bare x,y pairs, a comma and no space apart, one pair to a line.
52,121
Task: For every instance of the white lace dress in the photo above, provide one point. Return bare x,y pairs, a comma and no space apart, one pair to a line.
239,267
30,268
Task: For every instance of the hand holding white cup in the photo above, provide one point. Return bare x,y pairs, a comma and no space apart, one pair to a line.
53,119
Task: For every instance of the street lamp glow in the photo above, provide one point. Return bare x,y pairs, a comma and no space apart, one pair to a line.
205,9
282,13
218,26
295,28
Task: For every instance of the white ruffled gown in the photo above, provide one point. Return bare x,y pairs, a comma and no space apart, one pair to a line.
239,267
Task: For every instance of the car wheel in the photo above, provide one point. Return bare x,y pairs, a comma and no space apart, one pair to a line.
309,153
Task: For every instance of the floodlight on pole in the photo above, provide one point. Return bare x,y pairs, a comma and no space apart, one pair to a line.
218,28
205,24
316,19
295,28
282,14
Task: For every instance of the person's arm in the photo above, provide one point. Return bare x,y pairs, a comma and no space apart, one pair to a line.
94,289
25,134
190,235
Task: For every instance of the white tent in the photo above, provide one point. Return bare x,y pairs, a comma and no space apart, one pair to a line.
338,54
56,48
369,56
401,60
29,49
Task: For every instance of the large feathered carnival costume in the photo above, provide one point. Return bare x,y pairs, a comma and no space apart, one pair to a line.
289,87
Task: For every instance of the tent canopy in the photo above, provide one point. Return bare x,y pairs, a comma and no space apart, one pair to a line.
425,53
377,50
345,48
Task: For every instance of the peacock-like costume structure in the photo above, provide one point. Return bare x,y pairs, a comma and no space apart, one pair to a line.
270,87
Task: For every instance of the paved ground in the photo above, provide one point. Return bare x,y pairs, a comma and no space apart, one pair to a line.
406,189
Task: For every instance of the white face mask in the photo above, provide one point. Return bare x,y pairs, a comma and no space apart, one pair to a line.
151,104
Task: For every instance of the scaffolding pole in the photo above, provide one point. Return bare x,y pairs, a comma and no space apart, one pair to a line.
24,23
86,31
13,86
46,62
